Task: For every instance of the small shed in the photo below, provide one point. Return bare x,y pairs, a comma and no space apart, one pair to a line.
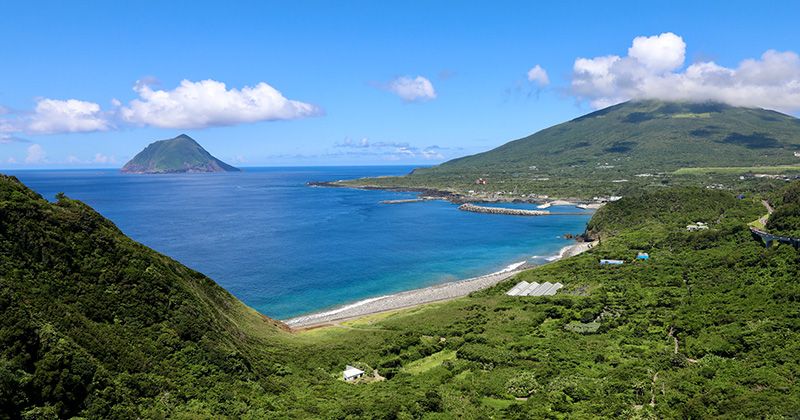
611,262
643,256
352,373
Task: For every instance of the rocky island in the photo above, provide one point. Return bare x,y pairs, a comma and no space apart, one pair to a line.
181,154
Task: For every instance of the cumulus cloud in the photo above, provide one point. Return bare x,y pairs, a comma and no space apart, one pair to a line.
35,154
191,105
211,103
654,69
417,89
538,75
659,52
66,116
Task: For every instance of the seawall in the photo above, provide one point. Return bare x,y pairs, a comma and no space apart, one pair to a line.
502,210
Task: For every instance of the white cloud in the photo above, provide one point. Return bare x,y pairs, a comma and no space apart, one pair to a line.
210,103
416,89
348,142
101,158
653,69
659,52
66,116
11,160
389,150
36,154
538,75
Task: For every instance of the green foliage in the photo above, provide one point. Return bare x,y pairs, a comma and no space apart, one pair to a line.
523,384
93,324
672,209
786,218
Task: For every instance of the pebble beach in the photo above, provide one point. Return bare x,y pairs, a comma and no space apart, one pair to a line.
411,298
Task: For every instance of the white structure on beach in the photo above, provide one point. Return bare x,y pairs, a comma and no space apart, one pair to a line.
524,288
352,373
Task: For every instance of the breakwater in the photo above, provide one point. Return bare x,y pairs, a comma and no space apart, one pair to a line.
516,212
502,210
411,200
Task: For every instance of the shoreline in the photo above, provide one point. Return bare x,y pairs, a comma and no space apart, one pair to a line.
415,297
455,197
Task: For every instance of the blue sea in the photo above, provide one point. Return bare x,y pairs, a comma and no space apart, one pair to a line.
286,249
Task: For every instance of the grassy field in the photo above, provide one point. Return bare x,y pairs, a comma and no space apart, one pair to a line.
427,363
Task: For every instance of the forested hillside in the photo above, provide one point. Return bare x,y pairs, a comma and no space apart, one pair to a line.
93,324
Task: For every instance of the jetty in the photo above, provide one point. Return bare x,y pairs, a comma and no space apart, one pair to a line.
407,200
515,212
412,200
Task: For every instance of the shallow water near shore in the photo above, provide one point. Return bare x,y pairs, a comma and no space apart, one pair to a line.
287,249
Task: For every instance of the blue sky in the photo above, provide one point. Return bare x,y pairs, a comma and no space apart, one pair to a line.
362,83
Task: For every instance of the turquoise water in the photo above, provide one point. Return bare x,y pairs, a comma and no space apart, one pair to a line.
286,249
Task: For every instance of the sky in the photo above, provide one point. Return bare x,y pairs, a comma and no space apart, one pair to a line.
88,84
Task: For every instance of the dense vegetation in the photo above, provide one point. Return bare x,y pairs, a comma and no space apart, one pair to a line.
786,219
180,154
625,148
93,324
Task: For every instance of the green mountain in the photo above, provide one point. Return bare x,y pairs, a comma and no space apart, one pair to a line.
650,136
95,325
602,152
180,154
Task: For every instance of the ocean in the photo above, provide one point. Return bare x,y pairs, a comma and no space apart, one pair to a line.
287,249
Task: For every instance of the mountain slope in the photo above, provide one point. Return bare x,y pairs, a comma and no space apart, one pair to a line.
651,135
180,154
93,323
602,153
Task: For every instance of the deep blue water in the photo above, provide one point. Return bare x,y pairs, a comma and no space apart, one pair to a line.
286,249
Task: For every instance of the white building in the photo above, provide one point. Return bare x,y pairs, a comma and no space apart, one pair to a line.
352,373
696,226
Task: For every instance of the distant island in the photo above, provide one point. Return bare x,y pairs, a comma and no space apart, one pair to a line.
181,154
